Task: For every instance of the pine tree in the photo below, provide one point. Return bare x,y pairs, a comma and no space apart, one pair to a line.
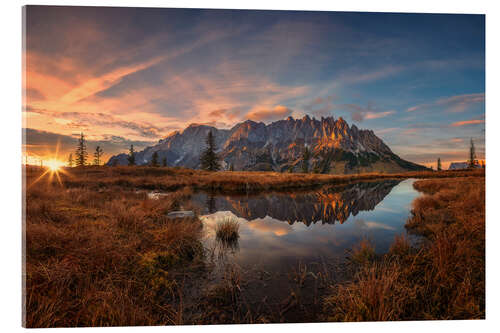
164,162
209,159
70,160
154,159
231,167
97,155
306,156
81,152
472,162
131,156
439,164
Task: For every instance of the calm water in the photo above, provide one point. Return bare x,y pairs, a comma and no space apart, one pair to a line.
278,230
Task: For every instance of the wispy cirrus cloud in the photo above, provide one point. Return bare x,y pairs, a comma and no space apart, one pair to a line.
467,122
457,103
377,115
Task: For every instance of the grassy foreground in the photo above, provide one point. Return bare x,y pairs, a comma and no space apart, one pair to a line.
172,179
442,279
106,258
101,253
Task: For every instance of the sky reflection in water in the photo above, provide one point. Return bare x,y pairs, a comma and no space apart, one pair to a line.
283,229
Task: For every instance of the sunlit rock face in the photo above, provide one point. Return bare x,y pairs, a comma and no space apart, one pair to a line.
335,147
327,205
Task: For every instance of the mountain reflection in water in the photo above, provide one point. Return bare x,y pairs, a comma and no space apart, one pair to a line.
281,229
327,205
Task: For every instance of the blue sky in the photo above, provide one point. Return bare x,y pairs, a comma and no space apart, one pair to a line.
417,80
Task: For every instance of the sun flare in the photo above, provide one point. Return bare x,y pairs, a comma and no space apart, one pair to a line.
54,165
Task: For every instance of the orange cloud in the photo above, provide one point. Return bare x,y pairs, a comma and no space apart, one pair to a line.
376,115
467,122
276,113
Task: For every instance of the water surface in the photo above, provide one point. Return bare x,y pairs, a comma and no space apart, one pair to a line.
278,230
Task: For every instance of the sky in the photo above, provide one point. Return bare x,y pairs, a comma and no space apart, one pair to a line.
133,75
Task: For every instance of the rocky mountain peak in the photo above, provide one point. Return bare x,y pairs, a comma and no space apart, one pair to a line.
279,146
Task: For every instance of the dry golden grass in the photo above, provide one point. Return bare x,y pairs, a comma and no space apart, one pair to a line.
101,253
171,179
444,279
105,258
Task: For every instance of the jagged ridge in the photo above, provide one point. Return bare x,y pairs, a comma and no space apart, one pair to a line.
336,147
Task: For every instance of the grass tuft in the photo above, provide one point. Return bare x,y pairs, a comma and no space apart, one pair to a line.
228,230
363,253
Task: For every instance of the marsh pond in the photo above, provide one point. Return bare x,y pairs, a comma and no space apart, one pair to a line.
280,229
291,241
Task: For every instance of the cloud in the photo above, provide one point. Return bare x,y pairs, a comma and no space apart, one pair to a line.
276,113
43,143
381,73
360,113
412,131
386,130
467,122
84,121
376,115
458,103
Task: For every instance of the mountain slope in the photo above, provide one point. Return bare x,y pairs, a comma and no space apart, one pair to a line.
335,147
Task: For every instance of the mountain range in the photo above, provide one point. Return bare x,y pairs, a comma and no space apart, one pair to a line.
335,147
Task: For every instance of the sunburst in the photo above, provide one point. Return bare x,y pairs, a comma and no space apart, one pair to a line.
53,167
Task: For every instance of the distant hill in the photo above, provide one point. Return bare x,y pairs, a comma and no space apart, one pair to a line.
335,147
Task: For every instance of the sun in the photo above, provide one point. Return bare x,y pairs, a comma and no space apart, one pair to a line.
54,165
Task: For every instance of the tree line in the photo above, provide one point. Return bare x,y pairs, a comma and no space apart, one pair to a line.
81,154
472,161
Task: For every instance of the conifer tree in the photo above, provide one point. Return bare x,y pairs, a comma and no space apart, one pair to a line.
131,156
97,155
439,164
472,162
81,151
306,156
231,167
70,160
209,159
154,159
164,162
